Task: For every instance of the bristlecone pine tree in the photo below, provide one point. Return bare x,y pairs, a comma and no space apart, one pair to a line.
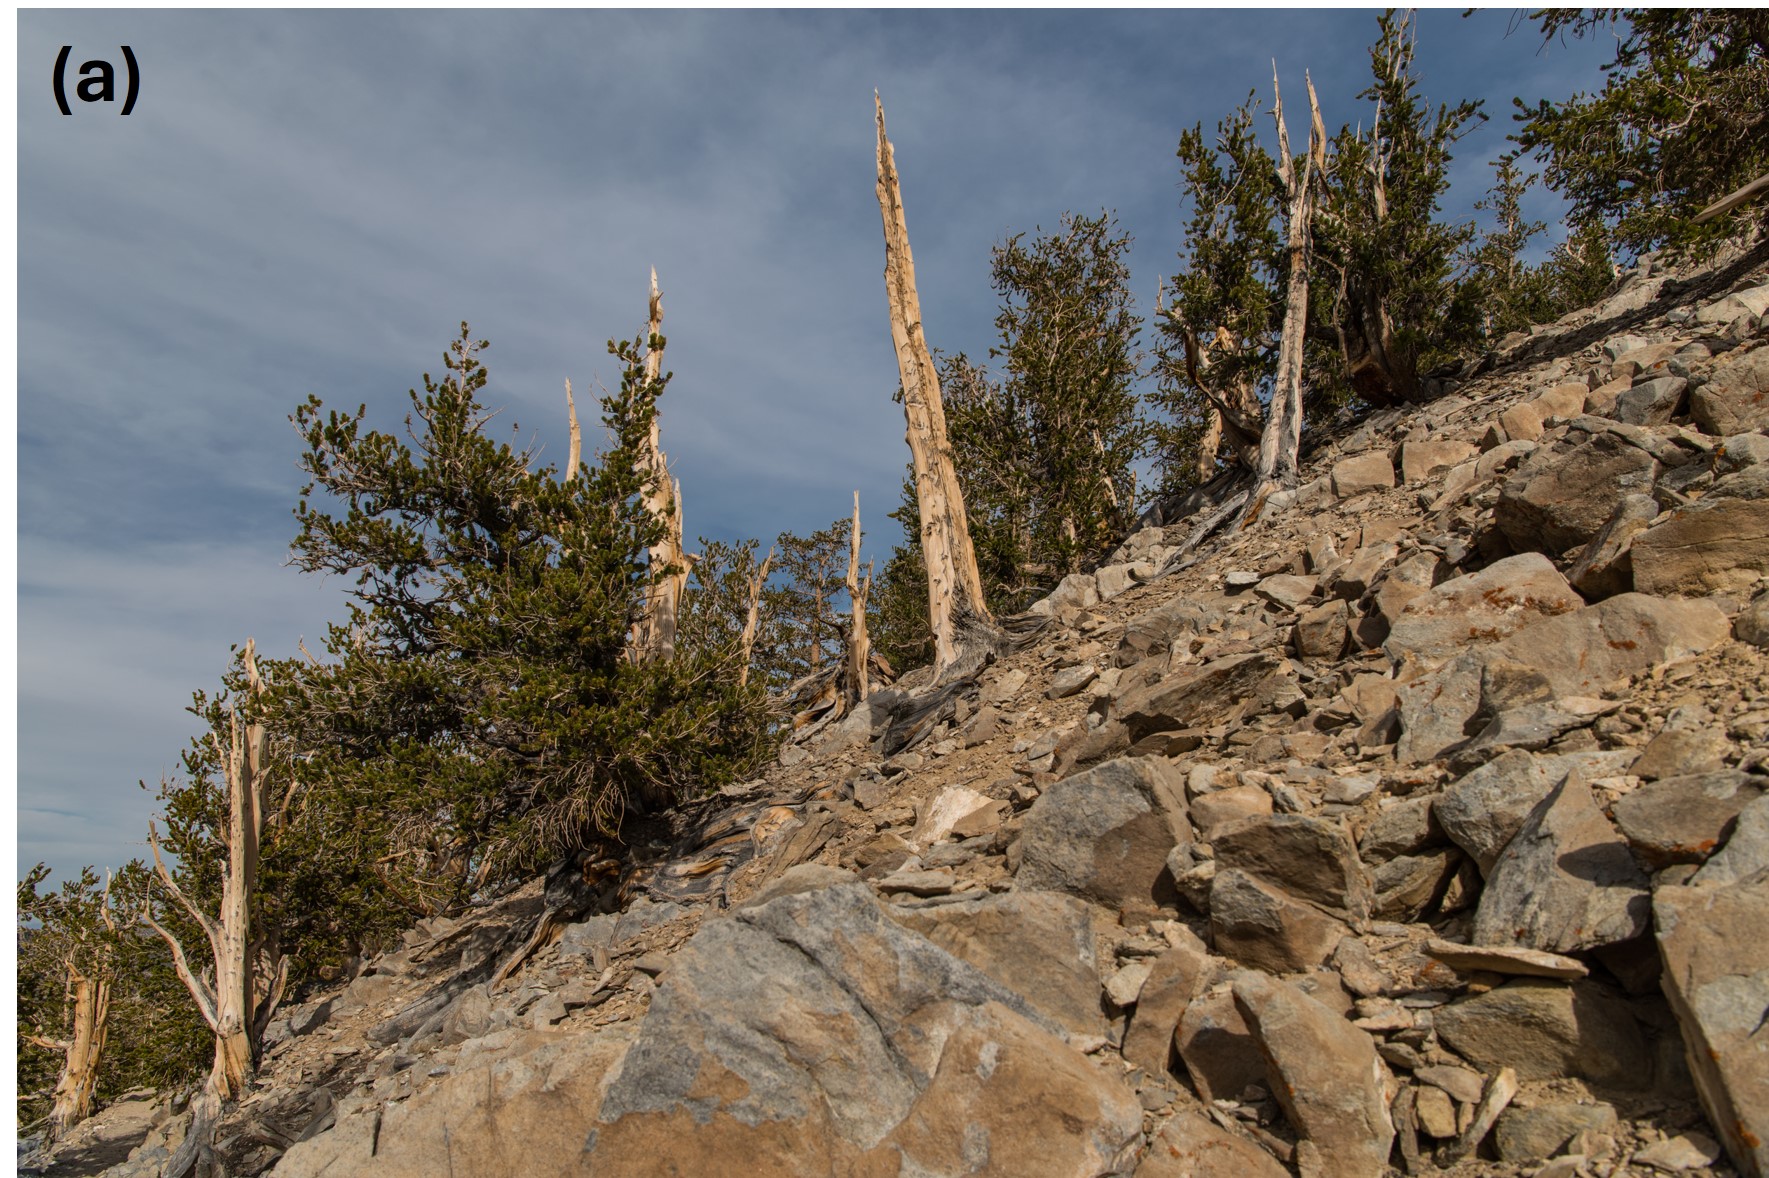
482,688
1682,121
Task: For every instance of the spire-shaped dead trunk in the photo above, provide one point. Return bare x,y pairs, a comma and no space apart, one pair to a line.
859,645
663,499
963,629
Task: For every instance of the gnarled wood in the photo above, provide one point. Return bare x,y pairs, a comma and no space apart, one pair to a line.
575,458
89,990
963,630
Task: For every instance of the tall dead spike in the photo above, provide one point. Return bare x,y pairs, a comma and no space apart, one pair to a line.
959,617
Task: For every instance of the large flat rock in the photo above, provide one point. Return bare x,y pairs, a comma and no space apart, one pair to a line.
1104,834
1480,607
1716,959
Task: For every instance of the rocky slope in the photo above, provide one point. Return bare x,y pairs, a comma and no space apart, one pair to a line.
1418,825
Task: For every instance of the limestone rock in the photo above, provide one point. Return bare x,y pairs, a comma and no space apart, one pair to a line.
1565,882
1192,1146
1684,819
1260,926
1326,1075
1546,1029
1419,461
1408,886
1735,397
1322,632
1480,607
1717,543
1174,979
1436,709
1310,858
1212,811
1651,402
1585,651
1716,976
1371,471
1533,1134
1216,1047
1403,828
1153,632
1104,834
1605,567
1193,695
1559,498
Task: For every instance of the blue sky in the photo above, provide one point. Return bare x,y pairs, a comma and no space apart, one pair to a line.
311,202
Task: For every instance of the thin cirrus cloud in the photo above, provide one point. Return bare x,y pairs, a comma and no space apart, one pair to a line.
310,202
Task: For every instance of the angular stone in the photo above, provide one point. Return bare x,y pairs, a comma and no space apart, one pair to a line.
1370,471
1192,1146
1322,632
1529,963
1605,567
1003,686
1038,944
939,815
1545,1029
1402,828
1408,886
1071,680
1651,402
1212,811
1562,402
1583,652
1437,1116
1104,834
1480,607
1436,709
1194,695
1752,623
1522,421
1715,544
1260,926
1216,1047
1488,806
1685,819
1174,980
1421,460
1075,591
1326,1076
1310,858
1716,976
1735,397
1115,579
1561,497
1464,1085
1154,632
1745,853
812,1032
1286,590
1566,882
1360,572
1533,1134
1686,1151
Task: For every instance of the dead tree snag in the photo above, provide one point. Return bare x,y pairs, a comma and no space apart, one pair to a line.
963,630
859,646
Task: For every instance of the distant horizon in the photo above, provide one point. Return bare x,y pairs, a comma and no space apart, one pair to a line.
312,201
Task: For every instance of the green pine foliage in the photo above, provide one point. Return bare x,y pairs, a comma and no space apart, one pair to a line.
1388,283
1227,298
482,688
1682,120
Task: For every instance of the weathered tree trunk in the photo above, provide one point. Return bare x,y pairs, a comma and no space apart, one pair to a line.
1280,443
89,990
83,1051
663,499
963,630
575,458
239,1002
859,652
755,612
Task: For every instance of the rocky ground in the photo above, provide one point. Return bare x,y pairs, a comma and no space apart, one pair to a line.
1417,826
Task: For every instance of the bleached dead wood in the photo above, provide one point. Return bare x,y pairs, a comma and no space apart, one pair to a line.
1733,200
1280,442
577,437
753,616
963,630
859,645
663,499
248,977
